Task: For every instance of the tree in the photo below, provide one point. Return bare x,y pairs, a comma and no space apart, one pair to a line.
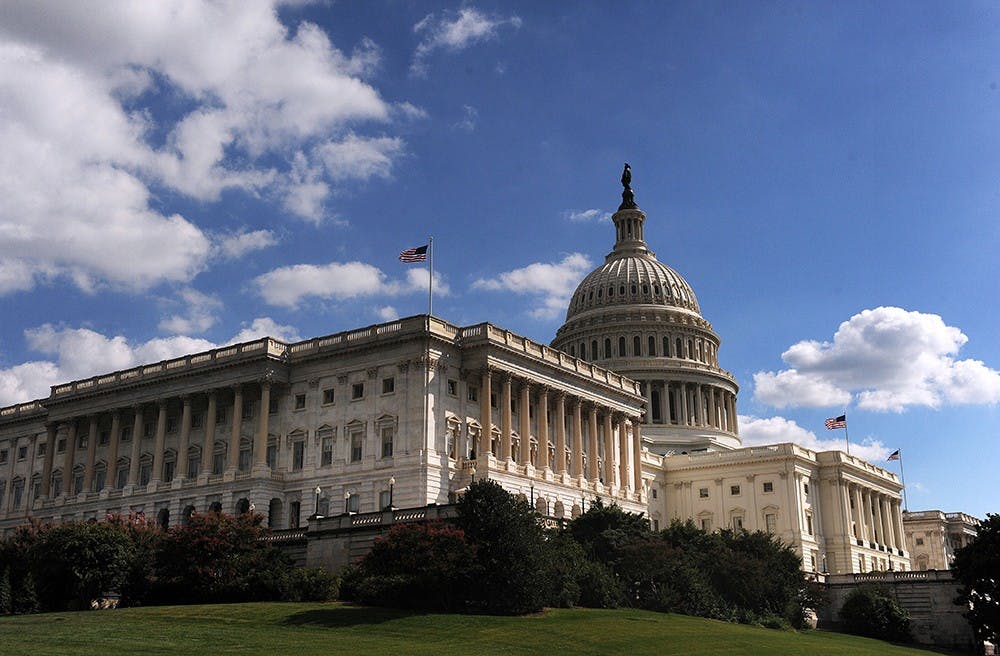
977,567
509,566
874,612
603,530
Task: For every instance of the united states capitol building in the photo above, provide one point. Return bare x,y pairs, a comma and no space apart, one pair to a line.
628,404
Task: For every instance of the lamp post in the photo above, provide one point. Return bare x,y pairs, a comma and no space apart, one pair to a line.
347,502
392,485
532,496
318,491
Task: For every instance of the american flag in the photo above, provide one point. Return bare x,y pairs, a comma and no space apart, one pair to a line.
894,456
837,422
418,254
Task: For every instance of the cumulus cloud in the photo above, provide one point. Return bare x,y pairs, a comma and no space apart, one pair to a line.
468,121
287,286
455,30
83,137
76,353
587,216
760,431
238,244
551,284
387,313
885,359
199,313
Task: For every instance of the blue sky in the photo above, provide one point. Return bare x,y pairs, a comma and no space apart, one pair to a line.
179,175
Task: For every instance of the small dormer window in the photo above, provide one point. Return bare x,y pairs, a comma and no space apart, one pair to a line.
656,290
645,288
611,292
600,293
621,290
634,289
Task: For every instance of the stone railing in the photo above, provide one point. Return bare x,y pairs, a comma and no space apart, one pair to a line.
20,409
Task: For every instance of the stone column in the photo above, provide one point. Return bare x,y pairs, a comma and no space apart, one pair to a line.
50,454
683,395
593,473
883,509
647,388
637,456
111,473
485,413
68,460
664,402
714,420
133,464
560,463
623,452
699,406
88,472
181,469
505,420
208,440
736,423
577,438
524,416
161,438
233,454
900,532
260,442
609,451
870,516
543,428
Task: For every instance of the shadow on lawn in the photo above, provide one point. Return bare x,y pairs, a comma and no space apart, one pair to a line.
346,616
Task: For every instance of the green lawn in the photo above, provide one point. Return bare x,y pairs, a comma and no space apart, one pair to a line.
323,629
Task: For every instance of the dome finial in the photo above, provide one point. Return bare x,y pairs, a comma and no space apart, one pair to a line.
628,198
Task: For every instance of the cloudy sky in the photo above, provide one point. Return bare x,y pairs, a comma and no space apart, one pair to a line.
177,175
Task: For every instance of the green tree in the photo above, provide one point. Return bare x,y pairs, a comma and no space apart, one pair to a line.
977,567
6,605
509,569
604,530
874,612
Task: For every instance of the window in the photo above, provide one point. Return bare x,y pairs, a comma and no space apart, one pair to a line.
145,471
703,492
298,454
452,387
248,409
81,442
300,401
636,346
121,476
357,441
147,429
219,458
653,491
104,437
169,466
77,480
771,522
3,456
387,435
734,490
388,385
326,452
768,486
738,523
706,524
354,503
272,456
172,424
57,484
328,396
42,447
357,391
22,452
473,394
809,524
621,347
194,462
220,415
652,345
18,492
805,488
920,542
61,445
126,434
383,500
273,405
245,455
196,419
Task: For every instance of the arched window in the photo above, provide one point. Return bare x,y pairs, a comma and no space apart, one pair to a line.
635,289
652,346
621,347
572,350
678,351
621,289
163,518
216,507
690,351
697,350
666,347
583,351
600,293
186,515
655,399
636,346
656,289
242,506
611,291
593,349
607,347
645,288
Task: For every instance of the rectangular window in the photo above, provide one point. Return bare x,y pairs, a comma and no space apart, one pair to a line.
244,464
220,415
387,434
18,493
771,522
121,478
194,465
218,463
327,458
273,405
145,470
196,419
298,454
805,488
248,409
61,445
300,401
357,439
737,523
357,391
452,387
148,429
272,456
168,470
42,448
769,487
56,486
126,434
172,424
809,524
354,503
104,437
493,401
388,385
653,491
36,491
81,441
473,394
383,500
22,452
734,490
3,456
703,492
328,396
706,525
920,542
78,483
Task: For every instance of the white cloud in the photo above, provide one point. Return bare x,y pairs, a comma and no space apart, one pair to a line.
454,31
83,139
552,283
584,216
238,244
199,314
758,431
886,359
287,286
81,352
387,313
468,121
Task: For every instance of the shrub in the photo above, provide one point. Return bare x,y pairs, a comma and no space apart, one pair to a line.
872,611
6,606
312,584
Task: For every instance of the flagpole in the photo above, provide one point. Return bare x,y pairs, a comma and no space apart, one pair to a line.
430,282
846,436
902,480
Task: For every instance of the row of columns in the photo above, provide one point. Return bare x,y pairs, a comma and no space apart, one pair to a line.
695,404
622,459
877,516
159,444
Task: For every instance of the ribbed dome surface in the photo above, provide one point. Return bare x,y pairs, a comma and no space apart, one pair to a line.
631,280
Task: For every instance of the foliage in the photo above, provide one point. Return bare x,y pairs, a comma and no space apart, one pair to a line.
874,612
509,541
6,601
604,530
977,567
312,584
418,566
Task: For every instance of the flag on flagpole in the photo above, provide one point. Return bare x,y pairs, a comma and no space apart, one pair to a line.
418,254
894,456
836,422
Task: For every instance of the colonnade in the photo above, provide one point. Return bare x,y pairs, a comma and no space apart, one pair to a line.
127,432
573,435
682,403
875,517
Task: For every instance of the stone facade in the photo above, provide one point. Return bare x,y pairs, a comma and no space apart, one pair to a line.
932,537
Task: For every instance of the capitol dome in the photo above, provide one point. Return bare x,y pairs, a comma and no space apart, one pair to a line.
639,317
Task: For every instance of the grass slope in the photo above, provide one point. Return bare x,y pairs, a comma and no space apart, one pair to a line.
325,629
